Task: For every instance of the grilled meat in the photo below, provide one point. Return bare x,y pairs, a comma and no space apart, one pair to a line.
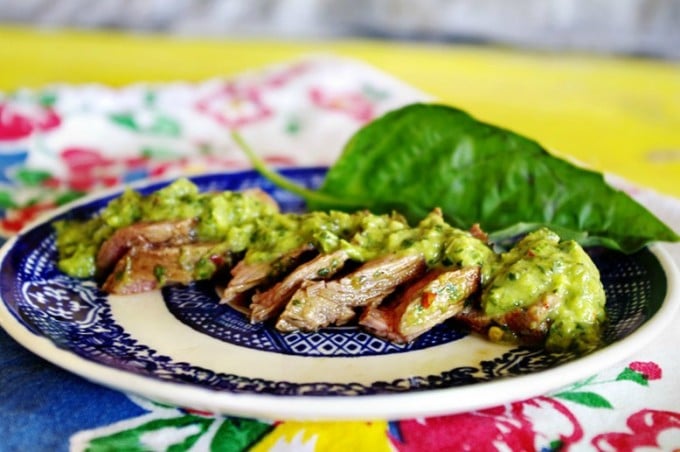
143,235
268,304
528,325
246,276
143,268
423,304
322,303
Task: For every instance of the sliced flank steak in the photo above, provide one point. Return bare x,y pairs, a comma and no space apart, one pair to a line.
423,304
270,303
322,303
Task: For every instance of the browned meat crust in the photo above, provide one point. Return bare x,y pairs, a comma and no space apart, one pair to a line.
528,325
477,232
271,302
246,276
143,235
423,304
321,303
144,268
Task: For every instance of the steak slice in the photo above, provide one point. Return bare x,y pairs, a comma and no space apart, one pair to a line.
143,268
529,325
246,276
270,303
321,303
423,304
140,235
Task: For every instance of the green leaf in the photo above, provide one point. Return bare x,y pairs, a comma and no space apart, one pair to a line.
31,177
630,375
424,156
133,439
167,126
587,398
68,197
158,153
6,200
47,98
126,120
237,434
556,445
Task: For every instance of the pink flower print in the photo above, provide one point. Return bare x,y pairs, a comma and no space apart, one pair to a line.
15,220
280,160
649,370
646,429
509,427
20,121
353,104
234,106
280,78
89,169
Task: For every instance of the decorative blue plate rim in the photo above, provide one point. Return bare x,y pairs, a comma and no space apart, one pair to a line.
412,395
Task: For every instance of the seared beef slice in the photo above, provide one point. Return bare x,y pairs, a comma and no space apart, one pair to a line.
246,276
322,303
143,235
142,268
270,303
423,304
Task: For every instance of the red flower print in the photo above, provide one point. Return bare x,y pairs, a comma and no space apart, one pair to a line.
284,76
15,220
649,370
87,169
234,106
354,104
646,430
508,427
19,121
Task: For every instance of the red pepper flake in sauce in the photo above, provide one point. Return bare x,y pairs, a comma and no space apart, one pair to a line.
217,260
427,299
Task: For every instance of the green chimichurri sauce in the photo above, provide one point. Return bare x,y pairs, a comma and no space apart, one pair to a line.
538,266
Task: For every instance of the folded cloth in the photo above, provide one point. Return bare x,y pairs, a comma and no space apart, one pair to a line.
63,141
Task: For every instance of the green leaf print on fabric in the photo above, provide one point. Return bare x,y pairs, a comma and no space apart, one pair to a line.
236,434
6,200
178,434
631,375
158,153
586,398
47,98
32,178
157,125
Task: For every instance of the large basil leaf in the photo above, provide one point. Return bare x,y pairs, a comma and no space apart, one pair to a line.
424,156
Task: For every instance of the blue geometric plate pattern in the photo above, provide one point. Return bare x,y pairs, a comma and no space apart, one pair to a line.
76,316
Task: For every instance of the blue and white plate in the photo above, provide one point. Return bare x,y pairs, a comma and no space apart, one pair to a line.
179,346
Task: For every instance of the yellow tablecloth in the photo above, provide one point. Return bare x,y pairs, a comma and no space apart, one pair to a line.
619,115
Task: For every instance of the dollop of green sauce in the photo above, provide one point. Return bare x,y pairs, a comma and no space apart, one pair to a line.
539,265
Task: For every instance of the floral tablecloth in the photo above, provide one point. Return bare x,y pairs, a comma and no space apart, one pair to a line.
63,141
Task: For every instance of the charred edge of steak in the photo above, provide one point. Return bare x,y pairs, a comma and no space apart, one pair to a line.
319,304
269,303
419,306
527,326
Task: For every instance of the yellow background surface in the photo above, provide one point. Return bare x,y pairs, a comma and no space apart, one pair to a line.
618,115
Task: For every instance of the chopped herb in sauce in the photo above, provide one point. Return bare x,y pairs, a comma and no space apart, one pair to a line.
539,267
